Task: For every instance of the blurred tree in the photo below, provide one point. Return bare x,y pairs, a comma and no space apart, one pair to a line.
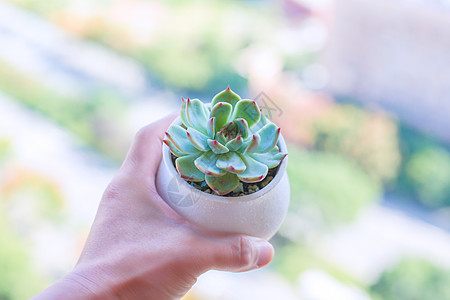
327,187
413,279
425,171
369,138
428,171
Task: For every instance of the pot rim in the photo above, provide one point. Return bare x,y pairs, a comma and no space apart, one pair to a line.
254,196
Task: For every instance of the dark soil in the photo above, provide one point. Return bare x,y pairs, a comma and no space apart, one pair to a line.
243,188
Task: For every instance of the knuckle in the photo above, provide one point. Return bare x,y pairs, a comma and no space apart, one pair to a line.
142,133
145,133
242,251
113,191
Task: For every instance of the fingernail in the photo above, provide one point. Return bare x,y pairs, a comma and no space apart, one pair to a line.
266,253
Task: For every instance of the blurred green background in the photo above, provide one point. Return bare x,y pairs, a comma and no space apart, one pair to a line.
367,128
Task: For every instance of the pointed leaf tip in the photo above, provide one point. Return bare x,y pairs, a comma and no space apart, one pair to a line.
207,164
269,137
222,112
247,110
198,139
254,143
226,95
217,147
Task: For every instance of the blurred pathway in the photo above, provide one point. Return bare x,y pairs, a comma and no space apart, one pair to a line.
379,238
437,217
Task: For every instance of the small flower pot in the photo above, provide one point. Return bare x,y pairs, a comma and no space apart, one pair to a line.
259,214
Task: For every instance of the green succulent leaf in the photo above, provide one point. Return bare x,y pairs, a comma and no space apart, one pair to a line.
248,110
206,109
226,96
231,162
262,122
255,171
235,143
222,112
187,169
211,128
183,113
196,114
242,126
225,143
269,137
173,149
228,132
177,135
198,139
254,144
271,159
217,147
221,137
206,163
224,184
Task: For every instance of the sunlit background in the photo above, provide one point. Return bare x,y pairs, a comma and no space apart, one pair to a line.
361,90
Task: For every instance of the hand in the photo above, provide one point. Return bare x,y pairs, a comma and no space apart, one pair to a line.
139,248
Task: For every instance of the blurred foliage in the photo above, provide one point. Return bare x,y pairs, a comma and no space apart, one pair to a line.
193,45
186,44
81,116
17,280
368,138
199,55
425,172
294,259
333,187
413,280
429,173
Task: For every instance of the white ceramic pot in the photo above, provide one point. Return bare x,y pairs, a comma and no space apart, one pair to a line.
259,214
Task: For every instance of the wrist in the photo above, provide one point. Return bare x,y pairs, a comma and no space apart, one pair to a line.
74,286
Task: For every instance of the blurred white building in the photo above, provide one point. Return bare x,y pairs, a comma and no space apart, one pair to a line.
394,54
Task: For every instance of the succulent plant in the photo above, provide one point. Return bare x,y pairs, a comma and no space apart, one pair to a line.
222,145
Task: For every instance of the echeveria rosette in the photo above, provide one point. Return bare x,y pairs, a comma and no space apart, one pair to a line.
222,145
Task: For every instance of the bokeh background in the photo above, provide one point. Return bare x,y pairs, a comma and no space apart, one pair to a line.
360,89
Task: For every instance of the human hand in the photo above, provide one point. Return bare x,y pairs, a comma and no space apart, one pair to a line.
139,248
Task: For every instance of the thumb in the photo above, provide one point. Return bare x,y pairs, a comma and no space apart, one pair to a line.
235,253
